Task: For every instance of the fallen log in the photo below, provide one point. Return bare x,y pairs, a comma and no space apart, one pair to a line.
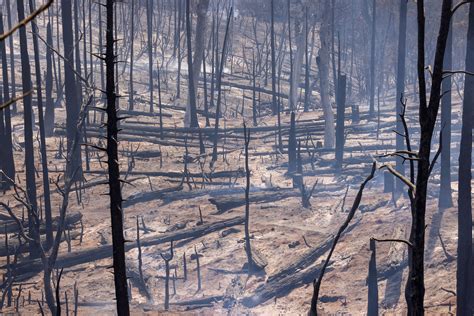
226,203
71,220
306,259
31,267
177,174
281,287
13,244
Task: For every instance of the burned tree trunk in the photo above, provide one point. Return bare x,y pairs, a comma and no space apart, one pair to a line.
116,211
373,295
272,35
323,65
8,162
28,125
167,260
402,38
49,111
72,108
292,145
132,35
248,249
200,39
219,87
445,198
44,157
149,30
428,111
341,105
190,119
464,274
372,59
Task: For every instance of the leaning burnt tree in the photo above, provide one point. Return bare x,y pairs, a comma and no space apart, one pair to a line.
116,211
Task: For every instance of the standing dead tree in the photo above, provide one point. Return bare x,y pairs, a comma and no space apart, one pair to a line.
248,249
317,282
219,88
191,119
417,190
464,274
167,259
116,210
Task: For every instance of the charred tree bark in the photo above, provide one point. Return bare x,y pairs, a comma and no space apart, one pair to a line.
272,35
428,111
372,59
167,260
248,249
219,87
149,30
49,111
44,156
8,162
28,125
341,106
373,295
323,65
190,119
132,35
445,198
116,211
12,56
402,39
72,108
200,39
292,145
464,274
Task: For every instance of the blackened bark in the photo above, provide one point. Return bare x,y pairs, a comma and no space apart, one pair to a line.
292,145
44,156
445,198
219,87
132,35
248,249
72,108
464,260
373,291
8,162
341,106
116,211
428,111
28,124
49,111
402,38
192,120
272,35
372,59
12,56
149,30
200,38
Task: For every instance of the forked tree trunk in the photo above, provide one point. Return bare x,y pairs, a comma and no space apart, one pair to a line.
428,111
